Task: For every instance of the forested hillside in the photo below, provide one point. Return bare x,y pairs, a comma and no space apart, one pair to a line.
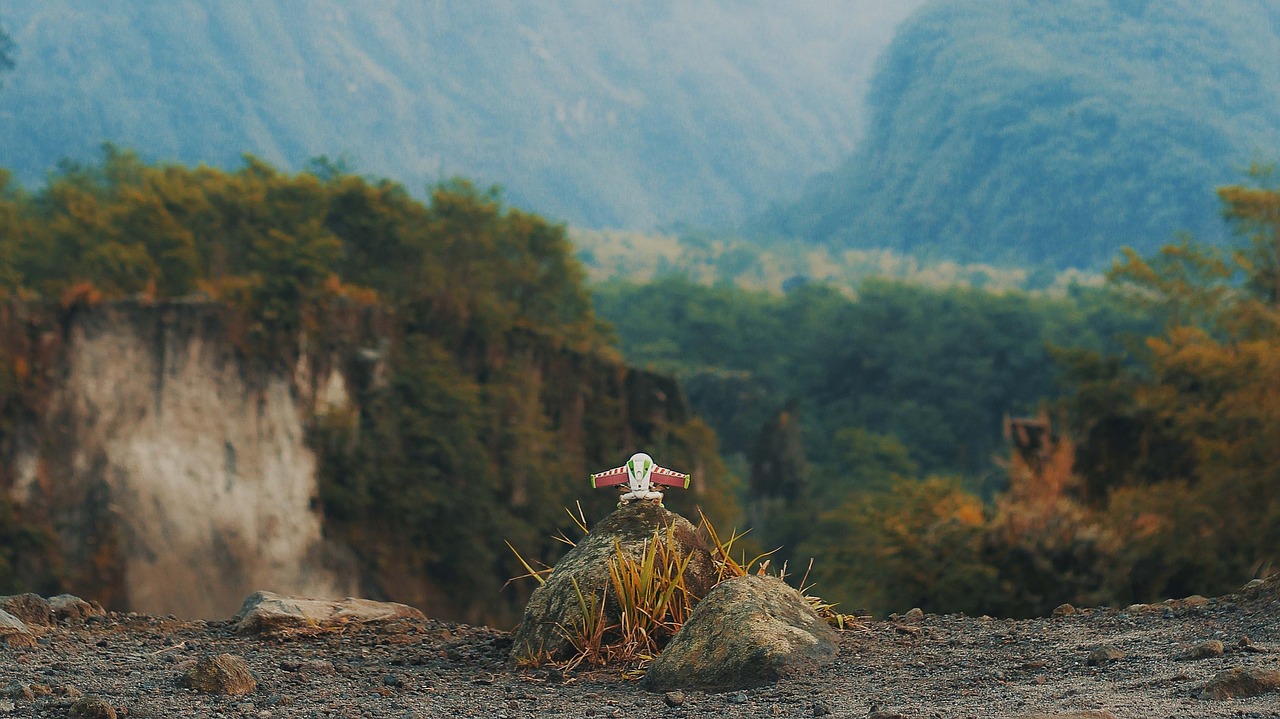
933,371
600,114
500,391
870,429
1030,133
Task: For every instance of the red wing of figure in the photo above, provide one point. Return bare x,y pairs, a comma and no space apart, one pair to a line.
609,478
662,475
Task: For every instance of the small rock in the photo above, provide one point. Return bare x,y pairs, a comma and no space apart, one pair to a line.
1205,650
821,710
674,699
30,608
68,607
392,680
1195,600
738,698
1239,683
914,614
317,666
270,613
1063,610
1083,714
92,707
1104,655
221,674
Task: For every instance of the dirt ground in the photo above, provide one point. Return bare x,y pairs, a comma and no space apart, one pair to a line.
1132,662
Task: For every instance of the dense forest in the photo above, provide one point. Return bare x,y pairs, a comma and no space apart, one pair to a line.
1052,133
1144,464
953,449
459,447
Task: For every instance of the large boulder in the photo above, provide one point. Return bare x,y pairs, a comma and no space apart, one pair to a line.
749,631
32,609
555,606
14,632
270,613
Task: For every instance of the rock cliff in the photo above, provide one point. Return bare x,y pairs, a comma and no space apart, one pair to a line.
171,471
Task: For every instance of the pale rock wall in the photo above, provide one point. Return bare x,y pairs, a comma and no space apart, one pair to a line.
202,462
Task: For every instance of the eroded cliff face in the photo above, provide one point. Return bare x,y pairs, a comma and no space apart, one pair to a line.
157,469
178,478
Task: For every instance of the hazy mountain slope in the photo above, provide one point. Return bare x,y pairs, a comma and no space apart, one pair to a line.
1010,130
628,114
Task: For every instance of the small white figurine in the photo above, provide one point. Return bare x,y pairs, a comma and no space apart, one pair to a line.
640,474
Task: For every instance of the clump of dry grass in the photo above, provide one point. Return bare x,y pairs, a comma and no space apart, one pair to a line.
652,598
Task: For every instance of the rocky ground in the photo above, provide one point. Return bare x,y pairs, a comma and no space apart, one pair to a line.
1144,661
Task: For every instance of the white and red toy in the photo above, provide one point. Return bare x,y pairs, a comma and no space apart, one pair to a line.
640,474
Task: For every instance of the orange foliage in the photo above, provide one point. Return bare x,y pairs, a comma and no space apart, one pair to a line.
82,293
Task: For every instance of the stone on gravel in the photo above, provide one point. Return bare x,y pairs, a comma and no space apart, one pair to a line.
270,613
92,707
1239,683
14,632
555,604
221,674
1064,610
1104,655
1205,650
1086,714
32,609
746,632
674,699
69,607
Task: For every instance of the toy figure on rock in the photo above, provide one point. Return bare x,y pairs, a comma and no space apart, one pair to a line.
639,475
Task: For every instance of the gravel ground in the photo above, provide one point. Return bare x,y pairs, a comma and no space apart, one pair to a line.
1130,662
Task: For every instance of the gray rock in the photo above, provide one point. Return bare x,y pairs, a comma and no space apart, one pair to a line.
221,674
1104,655
674,699
1084,714
14,632
555,605
68,607
30,608
1239,683
270,613
747,632
92,707
1205,650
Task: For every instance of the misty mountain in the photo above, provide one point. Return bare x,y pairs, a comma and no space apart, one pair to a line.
1053,133
628,114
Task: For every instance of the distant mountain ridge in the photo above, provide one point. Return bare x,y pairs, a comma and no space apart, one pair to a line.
633,114
1053,133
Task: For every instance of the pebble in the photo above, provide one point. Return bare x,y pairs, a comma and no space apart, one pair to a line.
221,674
821,710
914,614
92,707
738,698
1104,655
674,699
1206,650
1064,610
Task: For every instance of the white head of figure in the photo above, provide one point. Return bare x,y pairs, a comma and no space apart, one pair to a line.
639,467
